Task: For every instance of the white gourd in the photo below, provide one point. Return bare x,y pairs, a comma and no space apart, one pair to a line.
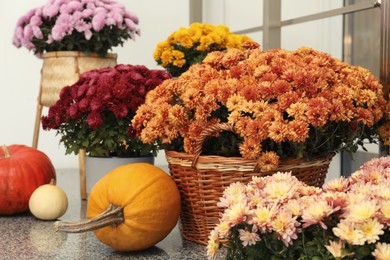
48,202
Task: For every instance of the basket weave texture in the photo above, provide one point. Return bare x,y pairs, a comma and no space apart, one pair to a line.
63,68
202,179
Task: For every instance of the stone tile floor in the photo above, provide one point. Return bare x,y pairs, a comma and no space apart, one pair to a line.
25,237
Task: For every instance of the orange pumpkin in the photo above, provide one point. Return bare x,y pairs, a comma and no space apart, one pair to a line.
139,202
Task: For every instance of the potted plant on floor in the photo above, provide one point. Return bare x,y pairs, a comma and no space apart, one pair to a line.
252,112
279,217
94,114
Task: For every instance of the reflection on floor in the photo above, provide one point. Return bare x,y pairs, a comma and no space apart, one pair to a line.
25,237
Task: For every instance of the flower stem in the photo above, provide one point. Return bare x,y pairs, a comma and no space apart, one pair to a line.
7,154
328,139
113,215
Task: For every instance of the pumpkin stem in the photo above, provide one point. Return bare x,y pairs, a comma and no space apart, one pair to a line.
7,154
113,215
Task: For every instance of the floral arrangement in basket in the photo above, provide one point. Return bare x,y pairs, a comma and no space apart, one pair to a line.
279,217
281,104
188,46
89,26
95,112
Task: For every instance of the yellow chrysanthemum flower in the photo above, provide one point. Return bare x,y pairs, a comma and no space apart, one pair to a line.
237,213
385,210
263,216
278,191
223,228
371,230
361,211
346,230
213,245
382,251
182,38
294,206
234,189
337,249
316,212
205,43
195,42
166,57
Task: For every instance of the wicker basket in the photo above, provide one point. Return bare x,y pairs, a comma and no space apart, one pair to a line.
202,180
63,68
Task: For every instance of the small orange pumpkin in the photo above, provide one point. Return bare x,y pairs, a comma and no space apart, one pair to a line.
131,208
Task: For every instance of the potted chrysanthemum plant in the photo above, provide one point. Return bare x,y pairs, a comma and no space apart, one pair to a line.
253,112
94,114
279,217
80,25
188,46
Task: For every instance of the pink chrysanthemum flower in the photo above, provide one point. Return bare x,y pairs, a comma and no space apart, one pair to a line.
99,20
233,194
338,200
249,238
56,26
381,164
339,184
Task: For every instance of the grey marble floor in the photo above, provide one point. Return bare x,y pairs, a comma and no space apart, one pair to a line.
25,237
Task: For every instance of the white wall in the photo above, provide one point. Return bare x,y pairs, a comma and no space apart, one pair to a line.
20,70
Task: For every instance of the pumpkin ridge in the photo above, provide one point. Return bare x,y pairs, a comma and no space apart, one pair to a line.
150,182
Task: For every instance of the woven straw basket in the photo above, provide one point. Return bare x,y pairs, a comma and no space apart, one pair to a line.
63,68
202,180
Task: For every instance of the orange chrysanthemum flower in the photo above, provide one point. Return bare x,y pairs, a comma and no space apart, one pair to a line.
302,103
384,132
268,161
250,148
